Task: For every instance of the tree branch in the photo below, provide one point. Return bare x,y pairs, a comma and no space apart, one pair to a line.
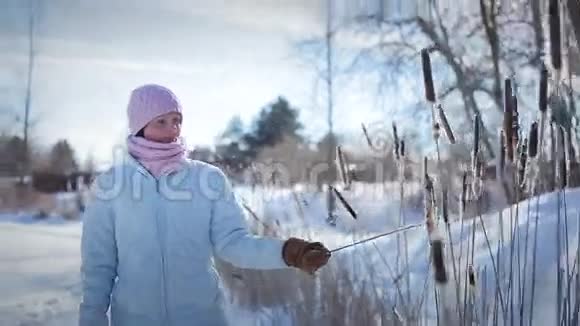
574,13
489,23
468,98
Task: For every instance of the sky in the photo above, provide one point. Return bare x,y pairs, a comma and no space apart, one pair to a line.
222,58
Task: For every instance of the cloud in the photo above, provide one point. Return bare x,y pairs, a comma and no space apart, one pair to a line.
221,57
113,64
288,16
296,18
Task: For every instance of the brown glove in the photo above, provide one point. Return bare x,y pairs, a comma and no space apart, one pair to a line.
307,256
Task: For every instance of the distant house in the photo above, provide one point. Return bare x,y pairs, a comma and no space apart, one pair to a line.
47,182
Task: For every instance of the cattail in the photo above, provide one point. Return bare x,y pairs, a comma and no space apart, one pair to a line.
523,162
427,76
543,97
428,198
508,95
515,123
438,261
445,124
533,141
533,145
367,137
553,155
500,168
561,157
401,163
553,141
508,119
342,166
477,183
425,170
348,172
347,179
476,135
555,39
464,192
428,202
444,206
346,205
475,150
396,142
543,106
471,275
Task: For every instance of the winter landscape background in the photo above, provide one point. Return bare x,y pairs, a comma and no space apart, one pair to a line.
323,116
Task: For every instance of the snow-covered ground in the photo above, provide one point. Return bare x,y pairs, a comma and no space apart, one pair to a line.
40,273
379,212
39,260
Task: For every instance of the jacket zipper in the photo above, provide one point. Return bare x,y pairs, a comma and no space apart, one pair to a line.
161,239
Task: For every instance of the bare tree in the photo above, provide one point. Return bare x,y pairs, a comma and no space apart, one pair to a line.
311,51
572,56
26,124
478,46
401,38
330,106
574,13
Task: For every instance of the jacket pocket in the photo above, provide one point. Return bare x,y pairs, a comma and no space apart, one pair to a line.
138,289
193,284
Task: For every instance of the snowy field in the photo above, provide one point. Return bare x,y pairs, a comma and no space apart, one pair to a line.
39,260
39,271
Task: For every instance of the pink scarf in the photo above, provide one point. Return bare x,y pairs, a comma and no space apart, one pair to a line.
157,158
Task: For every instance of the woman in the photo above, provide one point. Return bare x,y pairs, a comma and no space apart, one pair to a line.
155,222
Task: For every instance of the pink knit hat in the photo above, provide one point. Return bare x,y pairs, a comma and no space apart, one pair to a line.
148,102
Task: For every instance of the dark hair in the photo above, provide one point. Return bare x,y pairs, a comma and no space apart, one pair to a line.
141,133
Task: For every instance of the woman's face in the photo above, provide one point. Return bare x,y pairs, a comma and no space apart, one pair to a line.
164,129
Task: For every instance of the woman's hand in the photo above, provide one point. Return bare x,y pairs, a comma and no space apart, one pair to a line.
304,255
